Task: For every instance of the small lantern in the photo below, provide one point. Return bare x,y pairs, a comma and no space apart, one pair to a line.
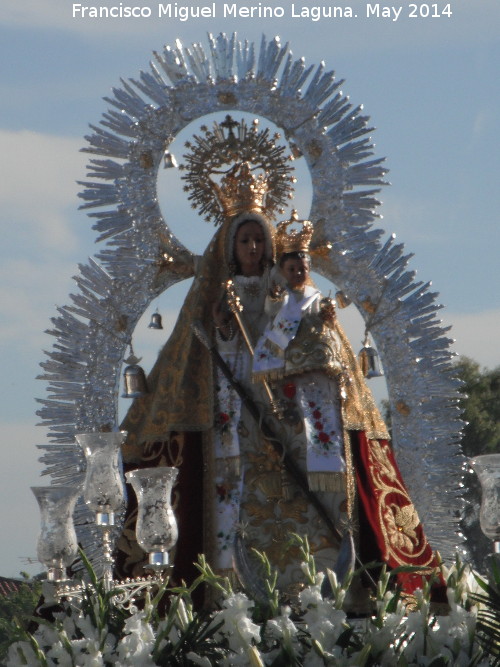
369,361
103,489
487,468
296,152
135,378
342,299
57,544
169,161
155,321
156,528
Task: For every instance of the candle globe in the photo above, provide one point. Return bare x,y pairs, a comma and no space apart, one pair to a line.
103,489
57,545
487,468
156,529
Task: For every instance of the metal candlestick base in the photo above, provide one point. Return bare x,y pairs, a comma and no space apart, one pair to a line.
57,574
159,563
124,595
158,559
105,518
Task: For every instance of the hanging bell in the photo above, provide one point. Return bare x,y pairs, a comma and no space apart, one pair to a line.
369,362
342,299
155,321
296,152
169,161
134,377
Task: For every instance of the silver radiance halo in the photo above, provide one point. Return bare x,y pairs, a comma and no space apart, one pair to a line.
184,84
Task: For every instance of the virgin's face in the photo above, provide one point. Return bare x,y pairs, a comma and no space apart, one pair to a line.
249,247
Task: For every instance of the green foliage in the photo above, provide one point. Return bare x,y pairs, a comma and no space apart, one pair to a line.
488,617
97,605
481,407
99,622
16,611
316,631
196,630
262,612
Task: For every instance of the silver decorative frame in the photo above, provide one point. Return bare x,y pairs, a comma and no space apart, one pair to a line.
182,85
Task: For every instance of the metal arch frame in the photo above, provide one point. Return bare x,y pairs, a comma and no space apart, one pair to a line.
115,288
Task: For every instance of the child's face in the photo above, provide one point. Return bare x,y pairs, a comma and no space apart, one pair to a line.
296,271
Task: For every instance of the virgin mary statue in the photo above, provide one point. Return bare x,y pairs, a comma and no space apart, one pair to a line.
233,485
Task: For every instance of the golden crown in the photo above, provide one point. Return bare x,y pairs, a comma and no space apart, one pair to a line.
240,191
252,172
295,240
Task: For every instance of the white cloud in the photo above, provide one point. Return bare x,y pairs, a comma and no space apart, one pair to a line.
29,291
484,122
38,200
38,174
20,470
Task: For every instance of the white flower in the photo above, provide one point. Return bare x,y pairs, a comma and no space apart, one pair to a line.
248,630
138,626
282,625
390,639
46,636
21,654
237,628
136,646
311,595
282,629
87,628
198,659
93,659
324,621
68,625
59,653
382,642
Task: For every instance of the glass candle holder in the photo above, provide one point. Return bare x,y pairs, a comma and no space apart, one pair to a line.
487,468
103,490
57,545
156,529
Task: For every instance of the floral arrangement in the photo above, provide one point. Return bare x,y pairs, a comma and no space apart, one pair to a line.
314,632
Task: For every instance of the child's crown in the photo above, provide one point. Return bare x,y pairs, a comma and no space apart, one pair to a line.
295,240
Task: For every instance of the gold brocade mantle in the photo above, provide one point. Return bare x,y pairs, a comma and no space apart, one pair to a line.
180,384
359,410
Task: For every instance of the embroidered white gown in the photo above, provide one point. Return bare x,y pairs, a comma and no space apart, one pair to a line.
253,494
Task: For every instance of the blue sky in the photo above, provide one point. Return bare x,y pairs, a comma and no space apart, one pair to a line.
431,89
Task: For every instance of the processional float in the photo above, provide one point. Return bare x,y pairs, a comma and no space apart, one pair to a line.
129,145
